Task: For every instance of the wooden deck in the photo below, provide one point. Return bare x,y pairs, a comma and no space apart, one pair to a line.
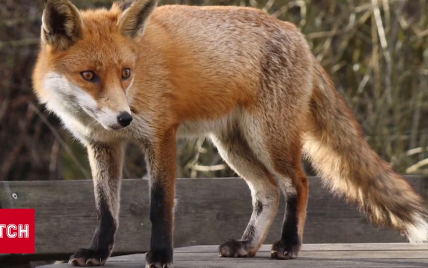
389,255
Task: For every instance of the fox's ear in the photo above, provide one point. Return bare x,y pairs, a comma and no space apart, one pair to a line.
61,24
135,16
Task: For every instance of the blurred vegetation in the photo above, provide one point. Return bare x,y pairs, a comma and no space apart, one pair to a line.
375,50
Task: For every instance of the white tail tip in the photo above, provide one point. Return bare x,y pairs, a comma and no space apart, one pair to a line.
418,231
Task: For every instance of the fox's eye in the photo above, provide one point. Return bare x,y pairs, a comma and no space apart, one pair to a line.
126,73
88,75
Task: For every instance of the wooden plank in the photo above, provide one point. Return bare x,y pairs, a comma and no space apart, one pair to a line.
326,247
65,214
317,255
206,205
209,211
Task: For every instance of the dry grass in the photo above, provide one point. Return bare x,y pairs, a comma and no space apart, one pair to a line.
375,51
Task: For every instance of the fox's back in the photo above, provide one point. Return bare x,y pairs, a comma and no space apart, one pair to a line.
222,56
237,39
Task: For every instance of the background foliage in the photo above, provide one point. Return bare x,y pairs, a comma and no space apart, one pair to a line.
375,51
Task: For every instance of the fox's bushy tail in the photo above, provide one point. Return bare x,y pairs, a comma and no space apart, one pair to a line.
348,166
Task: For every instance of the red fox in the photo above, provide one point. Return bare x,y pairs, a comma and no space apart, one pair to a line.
238,76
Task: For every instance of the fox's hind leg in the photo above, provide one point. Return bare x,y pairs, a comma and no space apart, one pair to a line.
265,193
278,145
295,187
280,150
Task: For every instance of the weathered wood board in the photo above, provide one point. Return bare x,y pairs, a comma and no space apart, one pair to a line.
209,211
312,255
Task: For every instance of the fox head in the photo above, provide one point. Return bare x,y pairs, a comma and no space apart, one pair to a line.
87,59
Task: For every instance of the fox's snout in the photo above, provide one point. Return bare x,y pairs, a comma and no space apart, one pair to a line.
112,120
124,119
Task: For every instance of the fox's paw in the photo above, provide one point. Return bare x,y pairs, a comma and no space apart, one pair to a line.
159,258
282,250
89,257
235,248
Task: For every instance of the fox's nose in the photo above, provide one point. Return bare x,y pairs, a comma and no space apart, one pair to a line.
124,119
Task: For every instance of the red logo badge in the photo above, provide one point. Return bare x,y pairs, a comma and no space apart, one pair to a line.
17,230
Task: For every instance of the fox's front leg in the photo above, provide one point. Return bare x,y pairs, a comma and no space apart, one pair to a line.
160,158
106,165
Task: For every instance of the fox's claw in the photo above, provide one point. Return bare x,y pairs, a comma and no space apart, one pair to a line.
88,257
159,259
235,248
282,250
